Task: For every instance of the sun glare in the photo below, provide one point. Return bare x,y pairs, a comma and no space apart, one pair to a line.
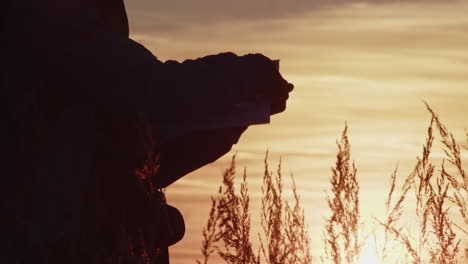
369,257
368,254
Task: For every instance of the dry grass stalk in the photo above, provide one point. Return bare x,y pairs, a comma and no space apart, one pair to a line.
452,152
228,229
275,249
436,238
285,238
446,247
209,233
234,224
342,234
284,229
296,231
423,186
385,251
394,214
419,180
229,223
459,192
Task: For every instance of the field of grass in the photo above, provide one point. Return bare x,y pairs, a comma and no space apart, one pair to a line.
436,196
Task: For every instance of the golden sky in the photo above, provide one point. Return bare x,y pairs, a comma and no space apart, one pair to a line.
368,64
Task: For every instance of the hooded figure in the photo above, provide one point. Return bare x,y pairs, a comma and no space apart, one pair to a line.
77,93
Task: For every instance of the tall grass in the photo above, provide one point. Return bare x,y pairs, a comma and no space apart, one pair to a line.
283,239
440,200
284,229
342,231
436,194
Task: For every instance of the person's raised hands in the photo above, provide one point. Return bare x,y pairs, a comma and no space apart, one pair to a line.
264,79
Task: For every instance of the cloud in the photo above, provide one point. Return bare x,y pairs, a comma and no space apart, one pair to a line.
208,11
428,40
184,23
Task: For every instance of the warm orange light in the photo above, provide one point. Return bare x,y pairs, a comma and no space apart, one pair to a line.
368,253
369,258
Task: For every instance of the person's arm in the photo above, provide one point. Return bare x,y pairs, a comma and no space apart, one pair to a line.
183,91
200,87
192,151
172,93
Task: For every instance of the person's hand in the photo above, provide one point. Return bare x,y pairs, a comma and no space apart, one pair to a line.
266,81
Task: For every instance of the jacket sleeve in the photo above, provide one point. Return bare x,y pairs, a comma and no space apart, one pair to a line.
178,92
171,93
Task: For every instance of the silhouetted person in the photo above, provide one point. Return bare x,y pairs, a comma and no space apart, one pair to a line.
77,92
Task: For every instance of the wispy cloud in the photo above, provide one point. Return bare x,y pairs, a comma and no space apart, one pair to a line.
368,64
203,11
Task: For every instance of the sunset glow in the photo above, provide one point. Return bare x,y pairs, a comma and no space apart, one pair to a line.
369,258
369,253
370,64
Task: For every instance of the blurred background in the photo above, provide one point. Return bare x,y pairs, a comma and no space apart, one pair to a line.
368,63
